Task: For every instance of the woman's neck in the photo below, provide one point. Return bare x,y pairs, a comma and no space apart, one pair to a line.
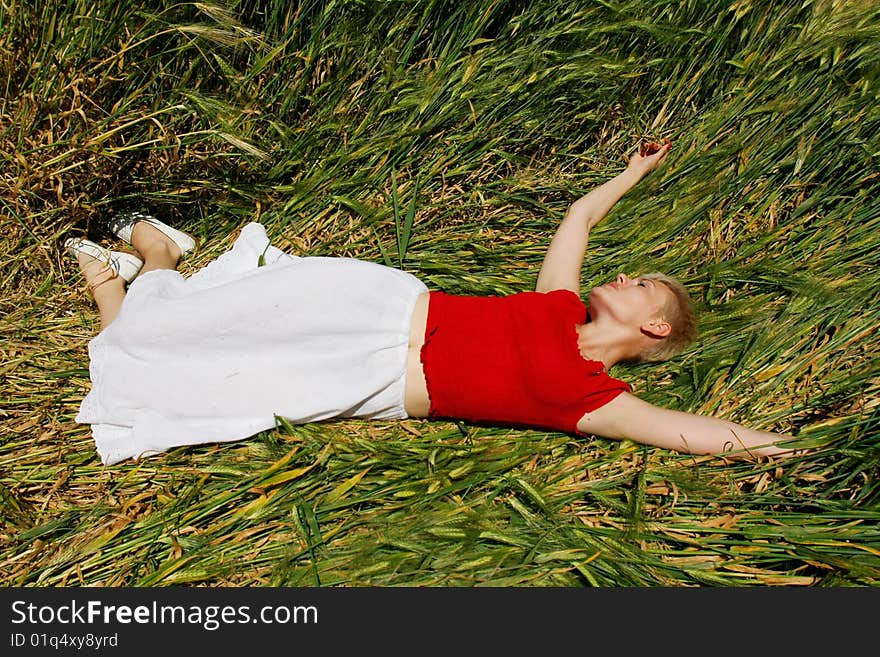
605,346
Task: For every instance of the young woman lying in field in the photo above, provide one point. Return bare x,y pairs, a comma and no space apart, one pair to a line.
260,334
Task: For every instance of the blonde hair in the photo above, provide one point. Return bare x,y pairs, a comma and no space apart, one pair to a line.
679,312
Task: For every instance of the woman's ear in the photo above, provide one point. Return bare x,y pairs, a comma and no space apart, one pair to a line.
657,328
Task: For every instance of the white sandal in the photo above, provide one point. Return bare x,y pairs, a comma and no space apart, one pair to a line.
123,225
121,264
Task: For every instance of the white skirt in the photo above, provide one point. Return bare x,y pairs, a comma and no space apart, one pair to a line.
217,356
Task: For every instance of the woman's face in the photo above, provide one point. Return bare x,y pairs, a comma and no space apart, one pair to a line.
630,301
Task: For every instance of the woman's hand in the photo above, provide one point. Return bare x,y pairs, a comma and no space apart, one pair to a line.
649,157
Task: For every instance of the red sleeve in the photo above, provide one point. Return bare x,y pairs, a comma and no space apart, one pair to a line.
570,301
603,390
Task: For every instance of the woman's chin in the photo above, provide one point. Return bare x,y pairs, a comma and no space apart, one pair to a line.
597,298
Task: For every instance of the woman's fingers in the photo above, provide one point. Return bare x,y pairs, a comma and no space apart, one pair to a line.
651,155
653,147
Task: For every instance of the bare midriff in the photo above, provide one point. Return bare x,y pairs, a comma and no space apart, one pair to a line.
416,400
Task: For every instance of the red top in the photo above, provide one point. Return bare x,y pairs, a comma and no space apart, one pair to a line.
512,360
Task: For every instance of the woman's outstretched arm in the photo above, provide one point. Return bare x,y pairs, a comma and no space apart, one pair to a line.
628,417
562,264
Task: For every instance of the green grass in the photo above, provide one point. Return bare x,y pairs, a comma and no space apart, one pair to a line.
448,138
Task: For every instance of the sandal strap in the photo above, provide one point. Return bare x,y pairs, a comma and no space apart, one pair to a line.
123,225
121,264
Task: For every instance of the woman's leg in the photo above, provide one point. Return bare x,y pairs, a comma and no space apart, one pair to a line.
107,288
157,250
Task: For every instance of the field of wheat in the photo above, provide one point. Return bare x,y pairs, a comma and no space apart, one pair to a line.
447,139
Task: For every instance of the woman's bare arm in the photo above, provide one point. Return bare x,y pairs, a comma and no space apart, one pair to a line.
562,264
628,417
